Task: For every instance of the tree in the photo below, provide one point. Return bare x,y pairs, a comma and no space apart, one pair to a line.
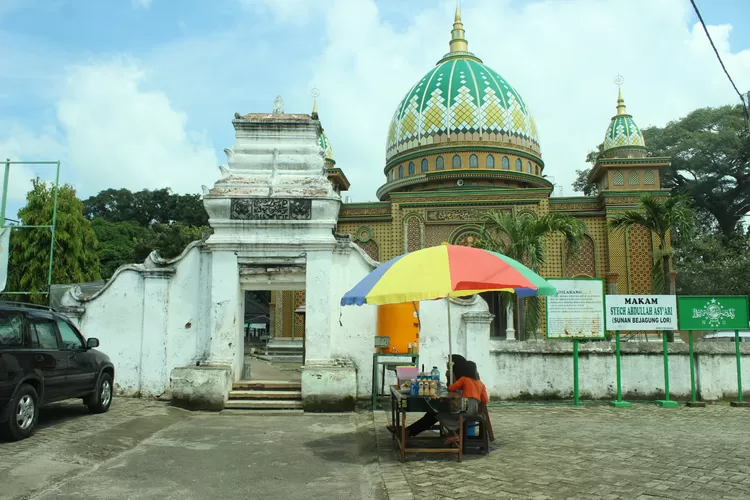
710,151
582,184
661,217
75,256
118,242
524,239
713,265
147,207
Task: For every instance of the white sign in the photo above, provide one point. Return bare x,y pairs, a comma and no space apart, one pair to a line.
577,311
641,312
4,253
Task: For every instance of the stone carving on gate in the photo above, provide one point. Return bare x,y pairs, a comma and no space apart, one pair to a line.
270,209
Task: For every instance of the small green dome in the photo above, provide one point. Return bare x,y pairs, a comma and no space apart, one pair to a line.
622,131
325,143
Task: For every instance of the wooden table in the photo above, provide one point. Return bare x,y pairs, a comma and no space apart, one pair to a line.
401,404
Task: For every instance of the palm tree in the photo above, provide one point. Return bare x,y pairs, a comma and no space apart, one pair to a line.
524,238
659,216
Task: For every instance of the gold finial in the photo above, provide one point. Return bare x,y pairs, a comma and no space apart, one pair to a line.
619,80
315,93
458,41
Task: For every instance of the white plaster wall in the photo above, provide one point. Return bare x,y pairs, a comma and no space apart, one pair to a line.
148,332
115,317
544,370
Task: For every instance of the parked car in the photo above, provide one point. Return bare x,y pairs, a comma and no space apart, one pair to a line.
44,359
727,336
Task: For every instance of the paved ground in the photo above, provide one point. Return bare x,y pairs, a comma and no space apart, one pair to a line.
593,452
143,449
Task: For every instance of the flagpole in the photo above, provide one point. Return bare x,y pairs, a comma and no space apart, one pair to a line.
450,343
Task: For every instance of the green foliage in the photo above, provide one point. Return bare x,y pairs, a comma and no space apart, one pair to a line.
664,217
710,151
132,225
75,256
582,184
713,265
524,238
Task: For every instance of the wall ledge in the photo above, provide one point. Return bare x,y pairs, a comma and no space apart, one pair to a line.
608,348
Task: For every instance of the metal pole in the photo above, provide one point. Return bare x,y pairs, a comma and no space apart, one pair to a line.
666,402
54,226
5,192
739,364
576,394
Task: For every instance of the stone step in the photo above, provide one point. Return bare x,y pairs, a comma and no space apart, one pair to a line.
264,394
270,404
262,412
268,385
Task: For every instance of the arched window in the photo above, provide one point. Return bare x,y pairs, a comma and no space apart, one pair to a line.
618,179
519,165
490,162
634,178
506,163
536,169
412,168
424,167
528,167
473,161
456,161
400,171
439,163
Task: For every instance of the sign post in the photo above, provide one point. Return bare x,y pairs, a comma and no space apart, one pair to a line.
640,313
693,393
575,313
717,313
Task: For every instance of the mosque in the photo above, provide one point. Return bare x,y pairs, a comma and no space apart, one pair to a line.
463,142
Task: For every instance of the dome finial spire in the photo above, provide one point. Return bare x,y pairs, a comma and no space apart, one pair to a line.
619,80
315,93
458,41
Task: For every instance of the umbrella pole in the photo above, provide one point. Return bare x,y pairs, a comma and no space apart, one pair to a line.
450,343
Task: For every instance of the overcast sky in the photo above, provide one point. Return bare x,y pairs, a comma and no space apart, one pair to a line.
141,93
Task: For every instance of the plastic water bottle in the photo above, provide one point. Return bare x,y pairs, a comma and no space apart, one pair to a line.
435,376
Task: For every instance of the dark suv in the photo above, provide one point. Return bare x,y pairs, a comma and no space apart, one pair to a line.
44,358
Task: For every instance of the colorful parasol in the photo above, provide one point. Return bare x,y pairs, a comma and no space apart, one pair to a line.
445,271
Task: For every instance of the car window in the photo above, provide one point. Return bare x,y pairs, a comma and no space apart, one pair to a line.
43,334
11,330
70,339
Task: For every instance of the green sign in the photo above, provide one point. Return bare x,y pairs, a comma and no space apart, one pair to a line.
712,313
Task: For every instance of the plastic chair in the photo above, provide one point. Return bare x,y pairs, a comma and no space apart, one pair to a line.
481,442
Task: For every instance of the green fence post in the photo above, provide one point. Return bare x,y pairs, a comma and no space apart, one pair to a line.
693,393
739,402
576,393
619,403
666,402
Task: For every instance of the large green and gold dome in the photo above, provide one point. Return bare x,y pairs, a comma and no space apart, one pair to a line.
462,126
461,96
622,134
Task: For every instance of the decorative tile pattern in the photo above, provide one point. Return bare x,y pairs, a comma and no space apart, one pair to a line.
325,143
649,178
414,234
371,248
634,178
466,97
618,179
623,131
640,257
582,262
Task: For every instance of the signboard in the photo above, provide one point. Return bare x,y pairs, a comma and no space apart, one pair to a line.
712,313
577,311
641,312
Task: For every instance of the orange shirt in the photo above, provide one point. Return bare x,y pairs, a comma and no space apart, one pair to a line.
471,388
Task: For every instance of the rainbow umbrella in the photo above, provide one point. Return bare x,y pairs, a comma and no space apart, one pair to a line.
445,271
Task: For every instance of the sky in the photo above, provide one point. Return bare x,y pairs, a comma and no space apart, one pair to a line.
140,94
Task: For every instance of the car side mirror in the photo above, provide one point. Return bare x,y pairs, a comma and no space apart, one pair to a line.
92,343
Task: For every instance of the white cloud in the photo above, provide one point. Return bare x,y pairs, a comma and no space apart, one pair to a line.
143,4
293,11
561,56
121,135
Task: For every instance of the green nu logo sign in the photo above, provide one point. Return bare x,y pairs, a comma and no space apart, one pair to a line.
712,313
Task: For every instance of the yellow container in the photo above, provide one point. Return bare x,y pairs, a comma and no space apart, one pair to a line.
400,322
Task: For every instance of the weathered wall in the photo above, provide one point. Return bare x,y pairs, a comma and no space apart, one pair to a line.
150,318
544,370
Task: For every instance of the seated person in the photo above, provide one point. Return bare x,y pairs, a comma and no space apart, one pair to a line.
460,369
475,393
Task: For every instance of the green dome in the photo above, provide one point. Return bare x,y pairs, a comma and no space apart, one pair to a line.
461,96
622,131
325,143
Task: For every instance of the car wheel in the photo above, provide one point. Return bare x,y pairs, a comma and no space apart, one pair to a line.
24,412
100,401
